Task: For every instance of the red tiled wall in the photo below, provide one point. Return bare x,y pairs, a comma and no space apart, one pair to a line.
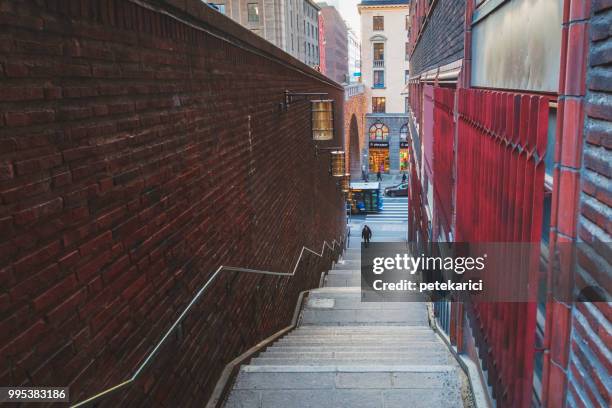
137,154
579,333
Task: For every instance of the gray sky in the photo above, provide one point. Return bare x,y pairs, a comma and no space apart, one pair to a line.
348,10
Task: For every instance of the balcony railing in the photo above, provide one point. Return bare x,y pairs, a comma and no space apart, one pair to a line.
379,63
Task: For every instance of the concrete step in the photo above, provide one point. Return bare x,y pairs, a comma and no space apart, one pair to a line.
345,387
348,264
318,334
405,340
406,354
362,330
422,346
361,317
353,342
344,273
422,359
369,341
387,334
342,282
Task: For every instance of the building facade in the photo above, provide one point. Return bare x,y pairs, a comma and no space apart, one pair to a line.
336,44
292,25
384,66
510,134
322,56
354,57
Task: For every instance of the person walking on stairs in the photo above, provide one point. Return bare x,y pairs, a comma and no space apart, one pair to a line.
366,234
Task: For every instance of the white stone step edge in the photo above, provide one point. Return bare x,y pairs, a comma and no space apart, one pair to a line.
339,368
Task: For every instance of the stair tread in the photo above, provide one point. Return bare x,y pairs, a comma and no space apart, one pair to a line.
352,354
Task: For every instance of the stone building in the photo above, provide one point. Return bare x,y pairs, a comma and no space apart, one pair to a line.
354,56
384,66
292,25
336,44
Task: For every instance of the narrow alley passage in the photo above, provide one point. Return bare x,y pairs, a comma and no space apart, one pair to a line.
349,353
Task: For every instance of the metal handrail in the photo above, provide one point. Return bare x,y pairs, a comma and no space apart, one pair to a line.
199,293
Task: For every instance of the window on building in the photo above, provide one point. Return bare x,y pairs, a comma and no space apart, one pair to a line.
407,51
406,76
220,7
407,23
404,132
378,104
379,51
379,78
406,105
379,131
253,12
378,23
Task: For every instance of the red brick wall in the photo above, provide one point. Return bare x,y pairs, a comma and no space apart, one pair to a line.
355,106
579,334
138,152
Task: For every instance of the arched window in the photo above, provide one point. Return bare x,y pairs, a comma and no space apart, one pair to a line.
379,131
404,133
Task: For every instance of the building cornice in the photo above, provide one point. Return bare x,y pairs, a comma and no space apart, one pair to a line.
383,6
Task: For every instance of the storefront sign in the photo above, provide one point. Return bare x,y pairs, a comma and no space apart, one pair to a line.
384,145
404,145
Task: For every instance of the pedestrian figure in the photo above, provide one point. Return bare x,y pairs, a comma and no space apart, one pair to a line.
366,234
379,176
403,178
364,175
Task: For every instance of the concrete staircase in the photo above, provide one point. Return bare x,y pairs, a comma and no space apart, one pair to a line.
346,353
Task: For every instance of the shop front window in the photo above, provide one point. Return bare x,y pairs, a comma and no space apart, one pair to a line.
404,151
404,133
379,131
403,159
379,160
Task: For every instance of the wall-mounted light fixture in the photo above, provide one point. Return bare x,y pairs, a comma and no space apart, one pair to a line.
322,112
322,120
346,182
337,163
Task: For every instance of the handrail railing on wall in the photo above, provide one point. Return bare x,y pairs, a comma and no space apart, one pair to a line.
99,396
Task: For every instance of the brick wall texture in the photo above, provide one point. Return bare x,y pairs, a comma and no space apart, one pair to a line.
589,369
140,149
355,109
441,40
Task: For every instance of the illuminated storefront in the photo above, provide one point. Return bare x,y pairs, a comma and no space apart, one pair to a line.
404,146
388,148
379,148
